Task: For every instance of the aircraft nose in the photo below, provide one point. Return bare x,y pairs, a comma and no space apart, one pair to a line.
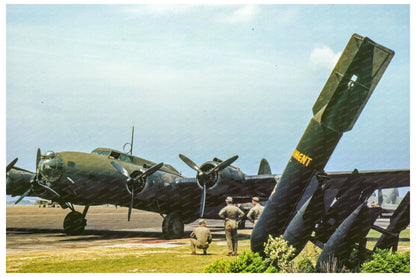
51,166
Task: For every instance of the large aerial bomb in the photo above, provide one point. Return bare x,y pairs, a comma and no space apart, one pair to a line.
336,110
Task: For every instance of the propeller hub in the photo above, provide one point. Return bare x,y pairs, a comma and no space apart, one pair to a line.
135,186
207,176
139,181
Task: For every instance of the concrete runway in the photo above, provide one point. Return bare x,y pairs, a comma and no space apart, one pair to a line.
30,228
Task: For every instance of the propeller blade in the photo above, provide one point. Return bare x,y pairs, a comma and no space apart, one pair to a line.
21,169
10,165
23,196
120,169
202,204
133,180
38,157
151,170
189,162
131,203
224,164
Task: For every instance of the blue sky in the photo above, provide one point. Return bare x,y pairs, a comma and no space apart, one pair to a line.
205,81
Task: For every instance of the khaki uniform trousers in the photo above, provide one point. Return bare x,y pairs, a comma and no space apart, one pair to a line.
231,236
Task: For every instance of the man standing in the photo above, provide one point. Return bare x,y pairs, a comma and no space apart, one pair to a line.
255,212
231,215
200,237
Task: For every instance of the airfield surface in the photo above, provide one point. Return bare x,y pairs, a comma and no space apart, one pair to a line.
33,228
35,243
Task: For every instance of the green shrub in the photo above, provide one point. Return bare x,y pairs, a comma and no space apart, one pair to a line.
247,262
305,266
279,254
219,266
278,258
385,262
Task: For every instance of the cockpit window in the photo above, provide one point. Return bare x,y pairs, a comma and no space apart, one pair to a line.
104,153
121,157
101,152
125,158
114,155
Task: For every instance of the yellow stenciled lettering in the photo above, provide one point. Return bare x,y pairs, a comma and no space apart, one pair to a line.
302,158
296,154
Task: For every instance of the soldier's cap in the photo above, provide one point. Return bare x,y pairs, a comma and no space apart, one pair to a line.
256,199
202,221
229,199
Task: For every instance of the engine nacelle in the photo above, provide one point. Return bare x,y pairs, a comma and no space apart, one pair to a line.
214,177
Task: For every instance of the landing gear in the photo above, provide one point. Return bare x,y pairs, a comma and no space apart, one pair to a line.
172,226
75,222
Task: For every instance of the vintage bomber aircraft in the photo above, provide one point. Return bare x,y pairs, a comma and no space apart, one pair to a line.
107,176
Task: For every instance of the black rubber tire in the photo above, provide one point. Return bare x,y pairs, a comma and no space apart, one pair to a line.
74,223
172,226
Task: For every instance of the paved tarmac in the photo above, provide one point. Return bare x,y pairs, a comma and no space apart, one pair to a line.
32,228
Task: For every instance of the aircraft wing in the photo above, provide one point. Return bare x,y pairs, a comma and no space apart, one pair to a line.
259,185
381,179
242,190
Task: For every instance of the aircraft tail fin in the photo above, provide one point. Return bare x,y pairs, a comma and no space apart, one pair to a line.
351,83
264,168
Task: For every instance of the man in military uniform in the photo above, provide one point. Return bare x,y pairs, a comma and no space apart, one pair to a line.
255,212
200,237
231,215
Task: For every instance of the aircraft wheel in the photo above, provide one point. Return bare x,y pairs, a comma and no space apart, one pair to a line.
74,223
172,226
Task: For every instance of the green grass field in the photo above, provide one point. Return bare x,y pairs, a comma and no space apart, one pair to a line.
118,259
139,259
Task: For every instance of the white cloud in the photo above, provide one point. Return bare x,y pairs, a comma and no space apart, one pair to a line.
323,58
244,14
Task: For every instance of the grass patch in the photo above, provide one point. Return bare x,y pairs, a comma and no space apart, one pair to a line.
404,240
119,259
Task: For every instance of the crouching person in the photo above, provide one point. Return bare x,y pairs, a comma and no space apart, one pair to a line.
200,237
